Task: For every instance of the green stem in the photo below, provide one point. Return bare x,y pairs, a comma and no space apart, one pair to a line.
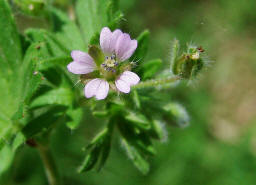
49,165
156,82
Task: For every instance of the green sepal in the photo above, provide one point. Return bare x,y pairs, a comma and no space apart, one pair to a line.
197,68
96,53
189,64
174,56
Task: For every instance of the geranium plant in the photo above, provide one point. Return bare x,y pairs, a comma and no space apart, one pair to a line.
84,60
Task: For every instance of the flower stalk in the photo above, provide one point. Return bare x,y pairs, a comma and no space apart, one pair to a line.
49,164
156,82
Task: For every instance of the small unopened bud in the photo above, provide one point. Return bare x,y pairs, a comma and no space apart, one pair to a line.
195,56
175,114
189,64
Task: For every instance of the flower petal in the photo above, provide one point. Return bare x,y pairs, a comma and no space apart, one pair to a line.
96,87
122,86
91,88
115,35
80,56
105,38
125,47
130,77
102,90
130,50
80,67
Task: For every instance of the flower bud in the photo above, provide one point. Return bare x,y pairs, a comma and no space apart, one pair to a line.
176,114
189,64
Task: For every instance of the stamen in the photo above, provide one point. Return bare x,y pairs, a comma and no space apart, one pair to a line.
113,57
110,63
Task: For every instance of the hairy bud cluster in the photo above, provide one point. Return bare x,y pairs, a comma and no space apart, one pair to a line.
189,64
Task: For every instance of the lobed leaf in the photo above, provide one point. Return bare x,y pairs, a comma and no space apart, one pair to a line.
140,52
93,15
136,157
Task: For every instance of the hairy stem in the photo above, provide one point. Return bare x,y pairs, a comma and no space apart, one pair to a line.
49,165
156,82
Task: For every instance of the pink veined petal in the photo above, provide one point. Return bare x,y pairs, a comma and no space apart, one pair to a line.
102,90
130,78
80,67
91,87
115,35
105,38
122,44
130,50
96,87
122,86
80,56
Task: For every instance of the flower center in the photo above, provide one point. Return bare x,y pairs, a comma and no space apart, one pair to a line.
110,63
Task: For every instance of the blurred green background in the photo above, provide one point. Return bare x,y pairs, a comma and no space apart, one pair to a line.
219,146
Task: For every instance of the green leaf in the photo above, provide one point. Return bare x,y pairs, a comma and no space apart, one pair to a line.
90,160
61,61
138,120
6,156
100,114
93,15
105,150
99,138
16,97
7,152
32,7
30,76
176,114
43,119
150,68
54,45
136,157
140,52
10,45
66,31
75,116
10,62
115,22
137,138
61,96
158,129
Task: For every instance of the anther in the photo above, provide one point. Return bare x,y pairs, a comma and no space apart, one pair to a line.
113,57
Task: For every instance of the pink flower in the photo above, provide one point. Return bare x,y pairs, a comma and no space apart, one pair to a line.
117,47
